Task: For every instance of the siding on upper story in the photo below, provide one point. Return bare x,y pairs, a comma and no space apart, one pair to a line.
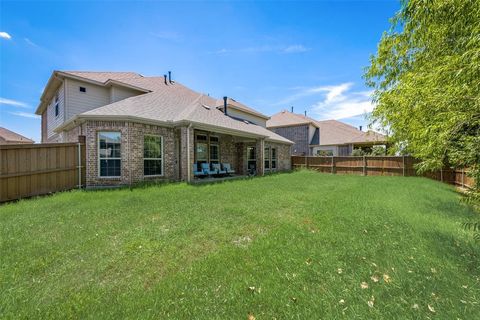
79,102
53,120
299,135
119,93
94,97
246,116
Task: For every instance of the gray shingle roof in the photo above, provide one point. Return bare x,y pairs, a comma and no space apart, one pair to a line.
332,132
172,103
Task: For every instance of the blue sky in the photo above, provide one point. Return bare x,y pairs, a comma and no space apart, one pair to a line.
268,55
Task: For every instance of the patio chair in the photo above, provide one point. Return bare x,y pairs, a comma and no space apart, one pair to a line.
228,169
252,170
206,169
216,167
196,172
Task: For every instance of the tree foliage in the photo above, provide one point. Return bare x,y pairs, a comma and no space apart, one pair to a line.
426,80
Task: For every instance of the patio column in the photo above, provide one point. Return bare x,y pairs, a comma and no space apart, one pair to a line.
187,144
260,146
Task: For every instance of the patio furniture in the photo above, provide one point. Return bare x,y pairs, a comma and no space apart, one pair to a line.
206,169
228,169
252,170
216,167
196,172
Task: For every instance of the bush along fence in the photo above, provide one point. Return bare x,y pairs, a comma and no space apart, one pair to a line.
34,169
380,166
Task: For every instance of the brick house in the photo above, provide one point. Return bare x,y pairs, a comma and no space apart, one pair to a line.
139,128
328,137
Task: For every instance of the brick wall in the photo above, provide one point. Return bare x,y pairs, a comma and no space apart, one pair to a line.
132,135
297,134
284,160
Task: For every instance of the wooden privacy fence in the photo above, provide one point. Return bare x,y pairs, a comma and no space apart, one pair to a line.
379,165
35,169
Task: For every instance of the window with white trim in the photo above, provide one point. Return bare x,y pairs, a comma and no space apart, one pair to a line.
152,155
274,158
109,154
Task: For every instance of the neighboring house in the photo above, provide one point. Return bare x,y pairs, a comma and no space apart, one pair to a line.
329,137
142,128
10,137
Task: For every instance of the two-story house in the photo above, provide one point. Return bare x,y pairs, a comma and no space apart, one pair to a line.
328,137
140,128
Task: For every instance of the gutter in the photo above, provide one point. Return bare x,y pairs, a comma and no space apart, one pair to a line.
78,119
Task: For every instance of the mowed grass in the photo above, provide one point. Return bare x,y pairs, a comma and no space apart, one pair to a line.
287,246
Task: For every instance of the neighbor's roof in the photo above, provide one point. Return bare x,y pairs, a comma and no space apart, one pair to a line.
171,104
13,137
332,132
285,118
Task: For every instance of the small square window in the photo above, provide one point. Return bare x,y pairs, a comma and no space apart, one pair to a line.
83,89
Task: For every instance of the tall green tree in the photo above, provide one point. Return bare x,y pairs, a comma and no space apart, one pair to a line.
426,80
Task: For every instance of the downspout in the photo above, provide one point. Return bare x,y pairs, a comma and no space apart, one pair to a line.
188,152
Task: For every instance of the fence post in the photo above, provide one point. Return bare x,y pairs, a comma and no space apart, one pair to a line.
441,174
403,159
463,175
333,165
306,162
364,165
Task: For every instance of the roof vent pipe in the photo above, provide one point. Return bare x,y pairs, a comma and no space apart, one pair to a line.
305,113
165,77
170,76
292,109
360,128
225,105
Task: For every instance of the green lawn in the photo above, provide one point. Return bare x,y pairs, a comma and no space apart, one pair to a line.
286,246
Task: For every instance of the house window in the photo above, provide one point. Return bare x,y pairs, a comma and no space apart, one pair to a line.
274,158
152,155
207,148
109,151
83,89
267,158
214,150
201,148
251,158
56,105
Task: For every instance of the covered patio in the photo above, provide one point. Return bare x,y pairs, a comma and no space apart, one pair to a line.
225,156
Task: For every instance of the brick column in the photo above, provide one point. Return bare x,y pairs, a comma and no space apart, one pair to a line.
185,165
260,145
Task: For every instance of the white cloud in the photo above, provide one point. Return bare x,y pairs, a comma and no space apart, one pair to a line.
5,35
14,103
30,42
297,48
25,114
340,102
